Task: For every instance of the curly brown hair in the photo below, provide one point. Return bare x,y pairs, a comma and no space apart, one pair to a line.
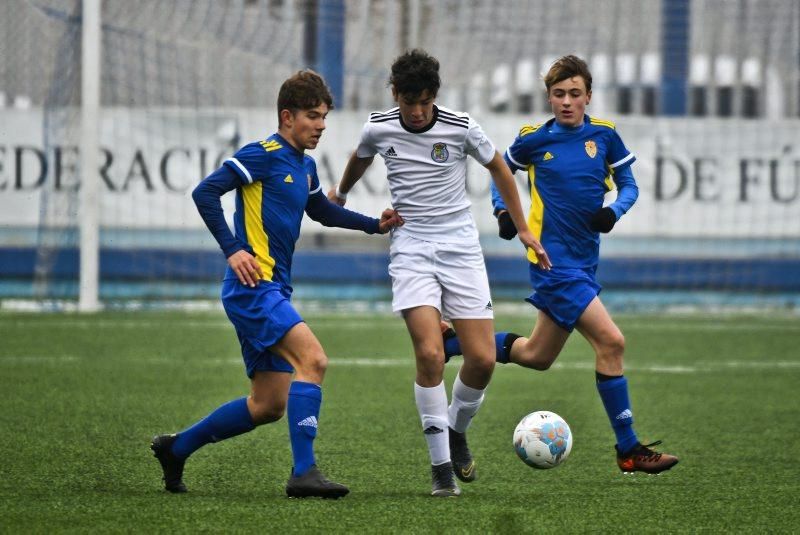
414,72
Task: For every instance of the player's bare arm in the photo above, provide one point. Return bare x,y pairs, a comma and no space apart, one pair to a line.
504,180
246,267
353,171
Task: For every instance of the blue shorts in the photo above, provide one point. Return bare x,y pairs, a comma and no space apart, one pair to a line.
262,316
563,293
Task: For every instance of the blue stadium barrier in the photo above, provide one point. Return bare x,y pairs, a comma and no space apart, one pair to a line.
188,266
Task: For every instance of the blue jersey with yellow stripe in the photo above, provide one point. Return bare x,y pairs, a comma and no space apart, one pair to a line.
569,172
276,182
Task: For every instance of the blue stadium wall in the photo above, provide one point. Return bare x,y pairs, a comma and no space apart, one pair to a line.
144,270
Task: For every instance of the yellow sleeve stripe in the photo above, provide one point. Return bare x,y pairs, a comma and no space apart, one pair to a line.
600,122
254,227
270,145
536,214
528,129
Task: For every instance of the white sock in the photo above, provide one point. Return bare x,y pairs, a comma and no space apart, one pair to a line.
432,408
466,402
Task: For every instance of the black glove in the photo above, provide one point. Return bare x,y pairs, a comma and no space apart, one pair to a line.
506,225
603,220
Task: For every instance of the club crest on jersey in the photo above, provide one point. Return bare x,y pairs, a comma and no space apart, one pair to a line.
591,148
439,153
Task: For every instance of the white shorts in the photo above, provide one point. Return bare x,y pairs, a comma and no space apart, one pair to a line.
450,277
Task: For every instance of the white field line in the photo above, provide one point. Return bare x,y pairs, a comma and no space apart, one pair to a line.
656,368
353,325
698,367
38,359
357,324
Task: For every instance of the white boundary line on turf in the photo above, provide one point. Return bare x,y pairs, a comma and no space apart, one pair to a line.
38,359
658,324
699,367
367,362
657,368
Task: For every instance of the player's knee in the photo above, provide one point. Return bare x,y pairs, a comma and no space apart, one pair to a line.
265,413
483,365
430,363
317,364
613,346
430,355
312,366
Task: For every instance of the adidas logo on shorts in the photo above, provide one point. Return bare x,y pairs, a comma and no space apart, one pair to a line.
489,305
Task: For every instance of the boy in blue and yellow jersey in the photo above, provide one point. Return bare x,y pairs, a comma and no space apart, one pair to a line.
572,160
275,183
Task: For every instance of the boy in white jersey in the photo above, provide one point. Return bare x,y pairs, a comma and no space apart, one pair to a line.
436,264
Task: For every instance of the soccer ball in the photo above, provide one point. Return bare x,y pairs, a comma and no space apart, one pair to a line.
543,439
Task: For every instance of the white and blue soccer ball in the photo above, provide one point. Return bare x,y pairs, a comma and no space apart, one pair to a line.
543,439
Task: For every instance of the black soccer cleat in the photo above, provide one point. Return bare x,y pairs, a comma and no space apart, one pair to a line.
444,481
314,484
171,465
461,457
643,459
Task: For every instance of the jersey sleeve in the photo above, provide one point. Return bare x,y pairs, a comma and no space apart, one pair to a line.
627,191
366,145
618,156
518,155
477,144
498,204
320,209
249,163
206,197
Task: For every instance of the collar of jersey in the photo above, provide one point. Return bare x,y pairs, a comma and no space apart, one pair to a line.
554,128
285,143
424,128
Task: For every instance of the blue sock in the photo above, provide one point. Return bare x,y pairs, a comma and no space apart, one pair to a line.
614,393
303,411
228,420
452,347
503,343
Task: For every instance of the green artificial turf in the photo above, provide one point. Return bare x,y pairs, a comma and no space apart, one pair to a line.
82,396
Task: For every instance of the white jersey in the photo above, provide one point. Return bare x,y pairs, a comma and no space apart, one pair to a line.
427,170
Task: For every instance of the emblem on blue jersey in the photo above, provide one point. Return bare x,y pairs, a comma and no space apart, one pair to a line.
439,153
591,148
